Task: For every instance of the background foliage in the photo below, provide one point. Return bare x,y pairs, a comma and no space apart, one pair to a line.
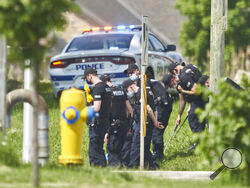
228,113
195,33
27,23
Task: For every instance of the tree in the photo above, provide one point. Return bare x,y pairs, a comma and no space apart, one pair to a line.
195,33
26,24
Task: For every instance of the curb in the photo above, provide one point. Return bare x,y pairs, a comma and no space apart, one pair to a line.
174,175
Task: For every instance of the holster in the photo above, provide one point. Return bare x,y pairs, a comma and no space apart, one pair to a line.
114,126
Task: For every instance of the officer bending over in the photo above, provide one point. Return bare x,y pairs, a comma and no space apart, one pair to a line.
189,74
102,104
198,102
117,132
164,106
177,69
187,88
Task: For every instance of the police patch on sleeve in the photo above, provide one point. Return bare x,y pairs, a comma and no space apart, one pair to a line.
188,71
97,96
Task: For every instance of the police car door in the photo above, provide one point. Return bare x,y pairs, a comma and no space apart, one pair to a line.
156,54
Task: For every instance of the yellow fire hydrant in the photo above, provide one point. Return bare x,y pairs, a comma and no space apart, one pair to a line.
74,115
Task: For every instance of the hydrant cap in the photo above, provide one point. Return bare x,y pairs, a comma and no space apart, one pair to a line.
71,114
92,113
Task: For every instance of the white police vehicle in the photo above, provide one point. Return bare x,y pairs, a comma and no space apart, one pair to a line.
110,51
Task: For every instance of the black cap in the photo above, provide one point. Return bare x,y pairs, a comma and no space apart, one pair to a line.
88,71
127,83
105,78
131,68
203,79
166,79
171,67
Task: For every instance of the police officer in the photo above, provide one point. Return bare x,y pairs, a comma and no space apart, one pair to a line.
101,104
190,75
117,132
164,107
133,72
197,102
190,69
133,91
135,75
204,80
187,88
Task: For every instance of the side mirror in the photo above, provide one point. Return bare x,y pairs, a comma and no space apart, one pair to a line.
171,47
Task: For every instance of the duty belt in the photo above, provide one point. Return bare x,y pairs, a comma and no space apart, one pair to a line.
97,122
114,126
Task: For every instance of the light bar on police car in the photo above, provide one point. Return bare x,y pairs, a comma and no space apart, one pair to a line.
96,29
109,28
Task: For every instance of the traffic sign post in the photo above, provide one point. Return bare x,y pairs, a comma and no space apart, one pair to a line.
144,64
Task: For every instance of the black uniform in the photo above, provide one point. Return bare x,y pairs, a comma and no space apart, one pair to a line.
186,82
97,131
193,71
164,105
135,147
119,127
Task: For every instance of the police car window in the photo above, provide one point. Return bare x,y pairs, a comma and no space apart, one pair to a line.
159,47
98,42
150,46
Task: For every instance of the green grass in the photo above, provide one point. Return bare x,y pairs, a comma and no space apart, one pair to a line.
83,176
19,175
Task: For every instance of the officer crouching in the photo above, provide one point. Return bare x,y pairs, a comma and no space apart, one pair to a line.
101,104
117,132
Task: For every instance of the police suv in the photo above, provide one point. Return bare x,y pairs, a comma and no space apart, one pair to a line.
110,51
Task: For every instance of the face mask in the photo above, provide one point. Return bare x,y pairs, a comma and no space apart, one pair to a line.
130,94
88,82
134,77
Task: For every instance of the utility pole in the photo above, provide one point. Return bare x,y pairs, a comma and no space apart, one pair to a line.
217,44
217,41
144,64
3,84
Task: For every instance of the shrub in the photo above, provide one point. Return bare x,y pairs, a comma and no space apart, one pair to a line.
229,113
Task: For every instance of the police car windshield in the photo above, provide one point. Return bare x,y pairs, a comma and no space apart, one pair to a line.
99,42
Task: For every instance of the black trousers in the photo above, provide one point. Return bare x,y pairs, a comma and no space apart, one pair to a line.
164,112
135,147
96,141
126,149
194,123
116,141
